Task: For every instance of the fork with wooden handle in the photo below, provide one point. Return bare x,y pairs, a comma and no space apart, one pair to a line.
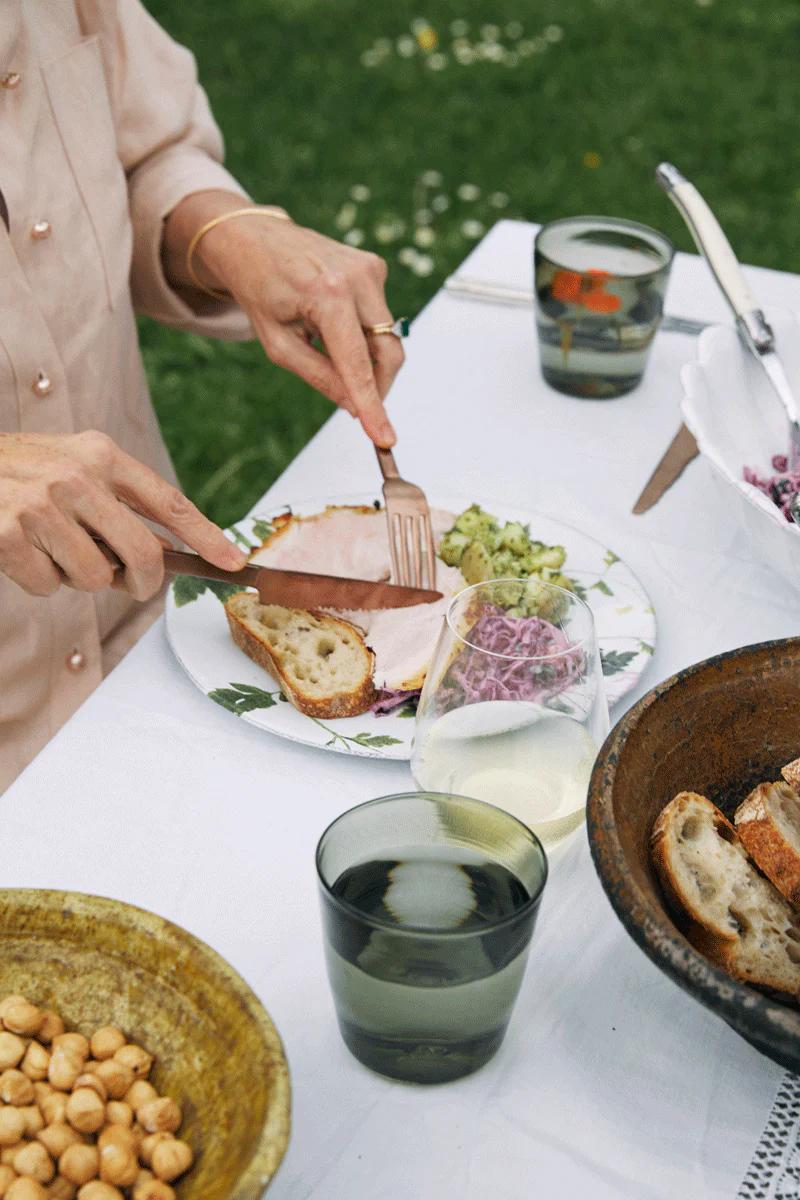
408,516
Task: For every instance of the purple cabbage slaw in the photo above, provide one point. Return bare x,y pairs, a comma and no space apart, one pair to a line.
388,701
474,676
780,488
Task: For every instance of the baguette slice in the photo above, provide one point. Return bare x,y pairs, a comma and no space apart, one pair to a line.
768,822
791,773
736,917
322,663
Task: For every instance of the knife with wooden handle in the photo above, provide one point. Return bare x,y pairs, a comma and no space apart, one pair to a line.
296,589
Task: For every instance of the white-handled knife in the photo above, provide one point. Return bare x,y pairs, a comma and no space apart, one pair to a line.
753,327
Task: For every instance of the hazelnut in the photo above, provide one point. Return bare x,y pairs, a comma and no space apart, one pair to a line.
86,1112
56,1138
65,1067
12,1126
34,1121
12,1050
88,1080
61,1189
153,1189
107,1041
35,1062
73,1043
54,1108
34,1161
158,1116
9,1153
115,1077
171,1158
9,1002
16,1088
23,1018
26,1189
139,1093
52,1026
118,1164
7,1177
119,1113
149,1144
43,1089
79,1163
99,1191
133,1056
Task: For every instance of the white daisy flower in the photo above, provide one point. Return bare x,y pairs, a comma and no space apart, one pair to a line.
459,29
354,237
406,46
472,228
465,55
423,216
437,62
553,33
360,193
423,265
424,236
498,200
346,216
468,191
431,178
440,203
371,58
418,24
386,231
490,33
491,51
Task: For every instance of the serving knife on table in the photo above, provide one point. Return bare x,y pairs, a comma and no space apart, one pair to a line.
296,589
751,324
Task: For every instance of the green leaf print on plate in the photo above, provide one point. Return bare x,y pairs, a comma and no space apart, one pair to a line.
186,588
240,698
615,661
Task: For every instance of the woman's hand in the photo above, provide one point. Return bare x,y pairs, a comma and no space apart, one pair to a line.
297,286
56,492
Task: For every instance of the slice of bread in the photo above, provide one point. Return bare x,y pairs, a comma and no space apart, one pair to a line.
791,773
735,916
322,663
768,822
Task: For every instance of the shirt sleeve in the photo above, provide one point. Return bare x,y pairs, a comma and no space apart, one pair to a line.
170,147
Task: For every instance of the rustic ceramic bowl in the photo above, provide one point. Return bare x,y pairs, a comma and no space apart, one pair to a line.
100,962
717,728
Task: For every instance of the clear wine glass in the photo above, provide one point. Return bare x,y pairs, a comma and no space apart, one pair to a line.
513,710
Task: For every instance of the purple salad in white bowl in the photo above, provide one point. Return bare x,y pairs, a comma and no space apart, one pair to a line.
742,432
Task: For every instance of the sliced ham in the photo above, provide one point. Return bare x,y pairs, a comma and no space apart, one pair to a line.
353,543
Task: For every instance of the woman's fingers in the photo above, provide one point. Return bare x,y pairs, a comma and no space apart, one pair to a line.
334,313
72,549
134,545
386,350
148,494
388,357
288,347
26,564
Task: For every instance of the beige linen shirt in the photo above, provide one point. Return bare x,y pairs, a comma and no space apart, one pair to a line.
103,130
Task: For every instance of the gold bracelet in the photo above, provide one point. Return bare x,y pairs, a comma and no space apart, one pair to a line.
278,215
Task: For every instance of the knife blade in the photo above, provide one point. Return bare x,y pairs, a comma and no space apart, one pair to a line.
680,452
753,327
303,589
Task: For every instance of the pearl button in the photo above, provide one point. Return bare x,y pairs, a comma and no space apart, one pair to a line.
41,230
76,661
11,80
42,384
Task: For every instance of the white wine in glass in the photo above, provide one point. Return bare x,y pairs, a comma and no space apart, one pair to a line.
513,710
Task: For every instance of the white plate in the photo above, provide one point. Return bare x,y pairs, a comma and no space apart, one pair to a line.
198,634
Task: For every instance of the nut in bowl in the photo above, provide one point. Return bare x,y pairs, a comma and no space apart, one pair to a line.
148,1069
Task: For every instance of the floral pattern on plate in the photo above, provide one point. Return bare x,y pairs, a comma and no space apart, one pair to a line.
198,634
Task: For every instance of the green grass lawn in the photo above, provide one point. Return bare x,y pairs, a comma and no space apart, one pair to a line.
542,108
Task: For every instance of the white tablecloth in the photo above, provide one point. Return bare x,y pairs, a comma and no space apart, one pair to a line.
612,1082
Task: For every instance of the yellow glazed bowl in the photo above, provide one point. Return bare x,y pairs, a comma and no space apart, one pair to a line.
100,962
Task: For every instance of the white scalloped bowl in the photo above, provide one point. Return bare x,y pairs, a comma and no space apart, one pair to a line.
738,421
